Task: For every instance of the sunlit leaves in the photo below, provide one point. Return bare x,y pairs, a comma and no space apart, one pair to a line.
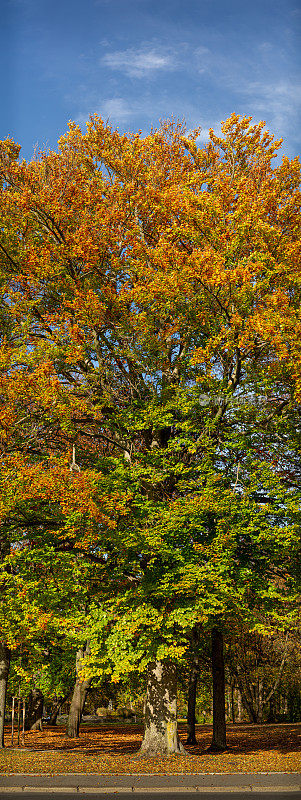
151,315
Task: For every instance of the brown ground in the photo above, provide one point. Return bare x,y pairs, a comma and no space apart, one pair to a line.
112,749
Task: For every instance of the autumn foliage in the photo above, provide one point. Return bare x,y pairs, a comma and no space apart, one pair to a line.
150,386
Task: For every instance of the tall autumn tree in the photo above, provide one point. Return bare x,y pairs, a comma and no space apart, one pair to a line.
151,289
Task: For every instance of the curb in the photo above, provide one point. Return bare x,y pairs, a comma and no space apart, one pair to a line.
92,783
174,791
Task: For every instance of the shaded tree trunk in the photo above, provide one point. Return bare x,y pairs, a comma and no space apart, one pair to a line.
228,694
161,732
218,743
239,706
248,705
33,720
80,692
260,702
4,671
193,682
271,715
232,704
56,708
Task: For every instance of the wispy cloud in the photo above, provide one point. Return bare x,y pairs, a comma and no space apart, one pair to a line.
138,63
113,109
277,99
266,87
118,109
203,136
204,59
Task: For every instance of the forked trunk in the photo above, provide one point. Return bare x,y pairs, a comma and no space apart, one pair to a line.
161,731
80,692
4,670
218,743
33,721
56,709
193,681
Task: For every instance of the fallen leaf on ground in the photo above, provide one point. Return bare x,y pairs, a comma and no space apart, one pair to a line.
113,749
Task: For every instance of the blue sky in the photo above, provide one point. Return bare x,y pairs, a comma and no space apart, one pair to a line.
136,61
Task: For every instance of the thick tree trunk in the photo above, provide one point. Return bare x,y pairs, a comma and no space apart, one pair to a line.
218,743
161,732
193,681
80,692
33,721
4,670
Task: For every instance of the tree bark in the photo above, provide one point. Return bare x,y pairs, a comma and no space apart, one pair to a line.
33,721
245,698
271,715
55,709
218,743
260,702
239,706
193,681
80,692
161,732
4,671
232,704
228,694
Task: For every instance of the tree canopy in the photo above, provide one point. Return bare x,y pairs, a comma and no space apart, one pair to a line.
150,380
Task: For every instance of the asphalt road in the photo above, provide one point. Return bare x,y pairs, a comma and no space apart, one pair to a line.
260,795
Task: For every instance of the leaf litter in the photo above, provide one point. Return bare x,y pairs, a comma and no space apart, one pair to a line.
113,749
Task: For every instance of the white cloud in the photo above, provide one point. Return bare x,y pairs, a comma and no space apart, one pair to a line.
138,63
114,109
259,80
280,101
204,59
117,108
203,136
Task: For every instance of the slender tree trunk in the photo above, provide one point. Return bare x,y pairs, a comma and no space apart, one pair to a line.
80,692
285,705
260,702
271,715
4,670
161,733
239,706
246,699
19,715
12,719
23,721
232,704
33,721
218,743
193,681
229,703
